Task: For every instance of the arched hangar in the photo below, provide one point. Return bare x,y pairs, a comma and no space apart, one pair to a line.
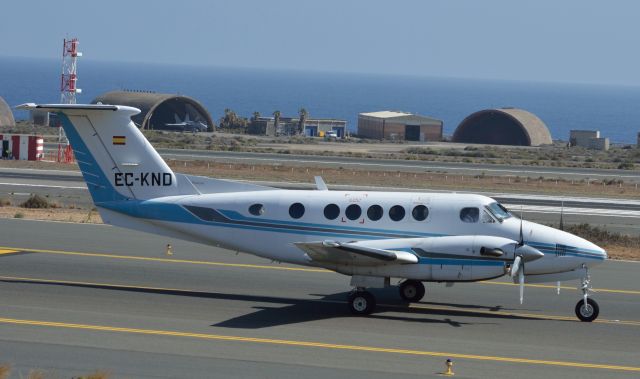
161,111
503,126
6,116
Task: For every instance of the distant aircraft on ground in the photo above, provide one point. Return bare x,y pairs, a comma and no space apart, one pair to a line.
370,236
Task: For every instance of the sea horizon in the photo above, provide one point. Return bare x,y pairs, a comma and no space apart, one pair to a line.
563,106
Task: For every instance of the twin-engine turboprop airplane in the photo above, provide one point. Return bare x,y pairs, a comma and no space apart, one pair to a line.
370,236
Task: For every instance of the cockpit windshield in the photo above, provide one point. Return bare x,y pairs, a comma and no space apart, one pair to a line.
499,211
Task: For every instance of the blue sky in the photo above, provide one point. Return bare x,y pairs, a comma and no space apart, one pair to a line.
590,41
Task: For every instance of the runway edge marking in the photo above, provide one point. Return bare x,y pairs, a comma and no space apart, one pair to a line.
318,345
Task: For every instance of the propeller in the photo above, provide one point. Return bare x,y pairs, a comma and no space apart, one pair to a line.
517,268
561,215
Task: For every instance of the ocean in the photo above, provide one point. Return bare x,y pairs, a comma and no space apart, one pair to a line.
614,110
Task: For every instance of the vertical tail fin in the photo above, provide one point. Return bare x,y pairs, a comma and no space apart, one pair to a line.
116,160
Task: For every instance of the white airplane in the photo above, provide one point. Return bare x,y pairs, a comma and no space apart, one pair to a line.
370,236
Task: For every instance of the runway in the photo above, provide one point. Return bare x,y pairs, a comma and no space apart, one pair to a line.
78,297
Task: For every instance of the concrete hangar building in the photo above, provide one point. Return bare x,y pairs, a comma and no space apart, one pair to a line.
399,125
6,116
161,111
503,126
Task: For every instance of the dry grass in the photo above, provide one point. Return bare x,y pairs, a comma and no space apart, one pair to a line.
5,371
52,214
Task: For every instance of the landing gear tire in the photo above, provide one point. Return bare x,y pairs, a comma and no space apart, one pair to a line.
412,290
588,312
361,303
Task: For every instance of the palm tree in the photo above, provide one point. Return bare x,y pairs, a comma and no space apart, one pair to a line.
276,121
303,118
256,116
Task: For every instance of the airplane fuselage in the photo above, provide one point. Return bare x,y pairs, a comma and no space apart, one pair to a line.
270,224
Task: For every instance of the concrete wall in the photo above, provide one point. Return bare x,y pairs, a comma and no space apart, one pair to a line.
599,144
583,137
379,128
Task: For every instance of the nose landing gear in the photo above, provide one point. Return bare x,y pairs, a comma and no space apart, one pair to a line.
587,309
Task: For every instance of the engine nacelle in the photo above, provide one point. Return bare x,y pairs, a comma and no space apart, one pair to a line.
451,258
465,258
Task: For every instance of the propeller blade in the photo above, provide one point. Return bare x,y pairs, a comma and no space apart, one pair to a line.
515,267
561,215
521,280
521,239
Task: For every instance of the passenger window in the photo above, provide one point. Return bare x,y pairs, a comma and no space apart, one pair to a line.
470,214
296,210
374,212
331,211
420,212
353,212
256,209
396,213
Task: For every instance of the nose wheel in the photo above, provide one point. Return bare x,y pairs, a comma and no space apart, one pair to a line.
587,309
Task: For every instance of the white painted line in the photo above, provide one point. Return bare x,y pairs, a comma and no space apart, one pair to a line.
40,185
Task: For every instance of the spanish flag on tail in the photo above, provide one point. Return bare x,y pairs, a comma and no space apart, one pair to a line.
119,140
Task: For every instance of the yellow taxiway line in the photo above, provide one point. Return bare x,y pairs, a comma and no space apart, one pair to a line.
426,307
9,250
321,345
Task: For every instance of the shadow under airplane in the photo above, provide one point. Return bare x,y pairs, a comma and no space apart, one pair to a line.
304,310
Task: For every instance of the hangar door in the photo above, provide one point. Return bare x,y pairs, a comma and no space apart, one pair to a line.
412,132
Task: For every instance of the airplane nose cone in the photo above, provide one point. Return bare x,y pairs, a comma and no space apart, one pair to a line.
529,253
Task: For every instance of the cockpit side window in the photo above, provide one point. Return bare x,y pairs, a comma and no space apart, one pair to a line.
470,214
486,217
499,211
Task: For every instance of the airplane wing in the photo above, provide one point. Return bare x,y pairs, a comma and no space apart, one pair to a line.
354,254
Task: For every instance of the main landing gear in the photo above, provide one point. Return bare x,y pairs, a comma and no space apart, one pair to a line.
587,309
362,302
412,290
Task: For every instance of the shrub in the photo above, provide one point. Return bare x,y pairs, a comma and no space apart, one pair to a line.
35,201
18,215
5,202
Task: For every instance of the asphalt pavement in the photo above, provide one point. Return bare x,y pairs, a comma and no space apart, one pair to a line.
80,297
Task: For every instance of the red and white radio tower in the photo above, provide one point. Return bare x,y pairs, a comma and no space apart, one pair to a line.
68,82
68,91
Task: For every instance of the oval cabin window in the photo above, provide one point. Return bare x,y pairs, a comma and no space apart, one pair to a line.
331,211
396,213
375,212
353,212
256,209
420,212
296,210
